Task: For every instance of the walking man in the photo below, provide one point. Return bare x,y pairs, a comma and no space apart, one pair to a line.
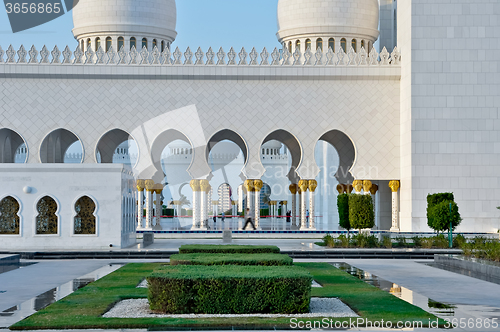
249,219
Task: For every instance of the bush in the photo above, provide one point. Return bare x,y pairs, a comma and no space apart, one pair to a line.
401,241
227,249
427,242
343,208
364,241
231,259
438,212
417,241
361,211
440,241
459,241
329,241
386,241
483,248
229,289
343,241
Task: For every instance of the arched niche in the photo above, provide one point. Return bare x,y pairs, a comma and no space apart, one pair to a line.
117,147
85,221
12,147
346,154
47,221
61,146
293,147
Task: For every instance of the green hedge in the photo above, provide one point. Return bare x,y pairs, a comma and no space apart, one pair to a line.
229,289
343,208
227,249
361,213
231,259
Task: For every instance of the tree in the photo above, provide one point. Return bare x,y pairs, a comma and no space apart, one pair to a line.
361,211
438,212
441,216
343,208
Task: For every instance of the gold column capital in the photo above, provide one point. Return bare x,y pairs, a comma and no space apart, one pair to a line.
149,184
303,185
341,188
358,185
204,185
140,185
248,185
293,188
158,188
367,184
374,189
313,184
234,203
349,188
195,185
394,185
258,184
284,202
214,202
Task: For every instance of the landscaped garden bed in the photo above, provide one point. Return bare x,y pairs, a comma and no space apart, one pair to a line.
231,259
84,309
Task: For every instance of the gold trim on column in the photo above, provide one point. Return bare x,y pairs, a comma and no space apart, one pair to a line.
349,188
158,188
341,188
140,185
313,184
284,202
258,184
248,184
214,202
149,184
358,185
204,185
303,185
293,188
394,185
367,184
374,189
195,185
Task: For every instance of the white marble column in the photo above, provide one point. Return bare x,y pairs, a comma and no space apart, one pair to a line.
195,186
205,188
313,184
303,185
149,203
257,187
394,185
158,206
373,192
140,192
293,190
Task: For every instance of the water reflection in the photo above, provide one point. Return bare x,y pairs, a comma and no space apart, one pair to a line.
28,308
439,309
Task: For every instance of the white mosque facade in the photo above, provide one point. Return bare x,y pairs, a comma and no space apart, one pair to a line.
396,99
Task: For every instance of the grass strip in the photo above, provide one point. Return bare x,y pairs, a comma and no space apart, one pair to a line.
231,259
84,308
227,249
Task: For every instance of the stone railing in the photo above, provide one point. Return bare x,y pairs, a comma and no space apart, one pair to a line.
200,58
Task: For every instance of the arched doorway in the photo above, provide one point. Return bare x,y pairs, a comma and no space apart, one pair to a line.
334,154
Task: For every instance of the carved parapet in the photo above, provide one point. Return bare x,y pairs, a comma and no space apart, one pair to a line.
143,57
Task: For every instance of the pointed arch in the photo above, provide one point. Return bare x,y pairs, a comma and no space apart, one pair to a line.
85,218
229,135
10,219
293,146
47,220
55,144
106,150
346,151
10,144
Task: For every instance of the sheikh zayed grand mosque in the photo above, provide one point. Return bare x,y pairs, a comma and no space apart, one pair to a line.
124,132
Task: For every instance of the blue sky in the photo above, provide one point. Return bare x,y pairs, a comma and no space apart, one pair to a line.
204,23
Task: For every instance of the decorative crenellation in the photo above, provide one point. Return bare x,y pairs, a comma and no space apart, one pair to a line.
200,58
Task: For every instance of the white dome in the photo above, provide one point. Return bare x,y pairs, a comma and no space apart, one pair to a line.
137,18
322,18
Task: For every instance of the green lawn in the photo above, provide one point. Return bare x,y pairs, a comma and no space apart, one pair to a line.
83,308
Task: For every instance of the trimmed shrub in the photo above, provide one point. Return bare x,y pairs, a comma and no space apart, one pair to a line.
438,212
229,289
231,259
440,241
427,242
440,216
364,241
329,241
387,242
343,208
361,211
417,241
401,241
343,241
459,241
227,249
